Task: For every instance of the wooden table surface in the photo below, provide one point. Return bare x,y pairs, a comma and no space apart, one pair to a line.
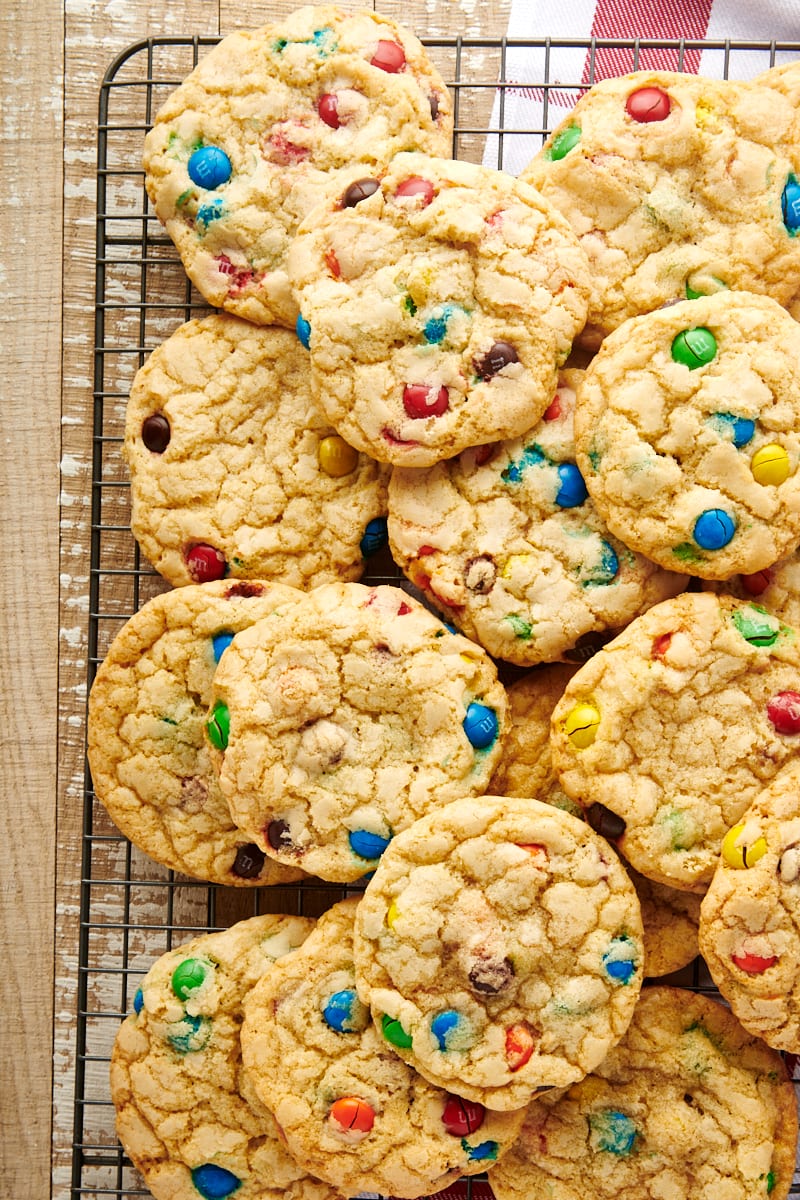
56,54
55,57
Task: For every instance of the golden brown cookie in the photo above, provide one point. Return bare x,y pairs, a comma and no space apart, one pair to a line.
500,941
148,756
686,1105
247,144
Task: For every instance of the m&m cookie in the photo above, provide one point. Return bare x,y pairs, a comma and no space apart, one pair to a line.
677,186
185,1112
505,540
686,1105
235,472
350,1109
671,730
336,724
149,759
441,298
499,947
687,433
248,143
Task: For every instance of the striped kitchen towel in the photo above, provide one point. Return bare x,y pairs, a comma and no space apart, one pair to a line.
524,108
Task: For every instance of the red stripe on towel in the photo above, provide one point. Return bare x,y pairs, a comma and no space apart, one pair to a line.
647,19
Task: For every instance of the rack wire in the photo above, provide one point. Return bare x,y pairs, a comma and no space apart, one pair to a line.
133,910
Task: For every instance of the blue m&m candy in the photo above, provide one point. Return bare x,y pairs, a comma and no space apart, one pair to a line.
209,167
367,845
572,490
138,1001
220,643
483,1152
713,529
376,535
743,431
615,1131
480,725
450,1029
344,1012
790,205
302,328
213,1182
619,961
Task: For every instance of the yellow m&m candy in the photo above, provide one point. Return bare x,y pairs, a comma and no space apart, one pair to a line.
742,853
336,456
581,723
770,465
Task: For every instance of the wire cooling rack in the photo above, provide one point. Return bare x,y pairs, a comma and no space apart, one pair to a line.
133,910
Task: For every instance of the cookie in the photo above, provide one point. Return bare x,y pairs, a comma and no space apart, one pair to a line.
234,470
351,1110
784,77
750,917
505,540
671,920
248,143
186,1113
686,1105
776,587
687,432
146,745
669,917
499,947
526,768
339,722
440,300
676,186
674,727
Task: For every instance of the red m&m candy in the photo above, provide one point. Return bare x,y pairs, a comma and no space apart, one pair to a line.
461,1117
416,186
753,964
328,109
389,57
648,104
783,711
420,400
205,563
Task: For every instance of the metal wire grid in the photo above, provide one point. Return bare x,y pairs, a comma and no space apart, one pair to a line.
133,910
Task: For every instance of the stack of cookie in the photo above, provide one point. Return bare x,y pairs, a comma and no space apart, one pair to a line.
407,1039
574,394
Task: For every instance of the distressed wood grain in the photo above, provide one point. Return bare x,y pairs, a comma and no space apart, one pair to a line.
30,325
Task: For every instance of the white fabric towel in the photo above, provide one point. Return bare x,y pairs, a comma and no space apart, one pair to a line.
524,109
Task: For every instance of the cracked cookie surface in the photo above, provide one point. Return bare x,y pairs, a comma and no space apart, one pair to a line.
348,717
676,185
687,432
505,540
669,917
776,587
504,938
676,725
349,1107
442,297
750,917
148,756
186,1113
234,469
687,1104
249,142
